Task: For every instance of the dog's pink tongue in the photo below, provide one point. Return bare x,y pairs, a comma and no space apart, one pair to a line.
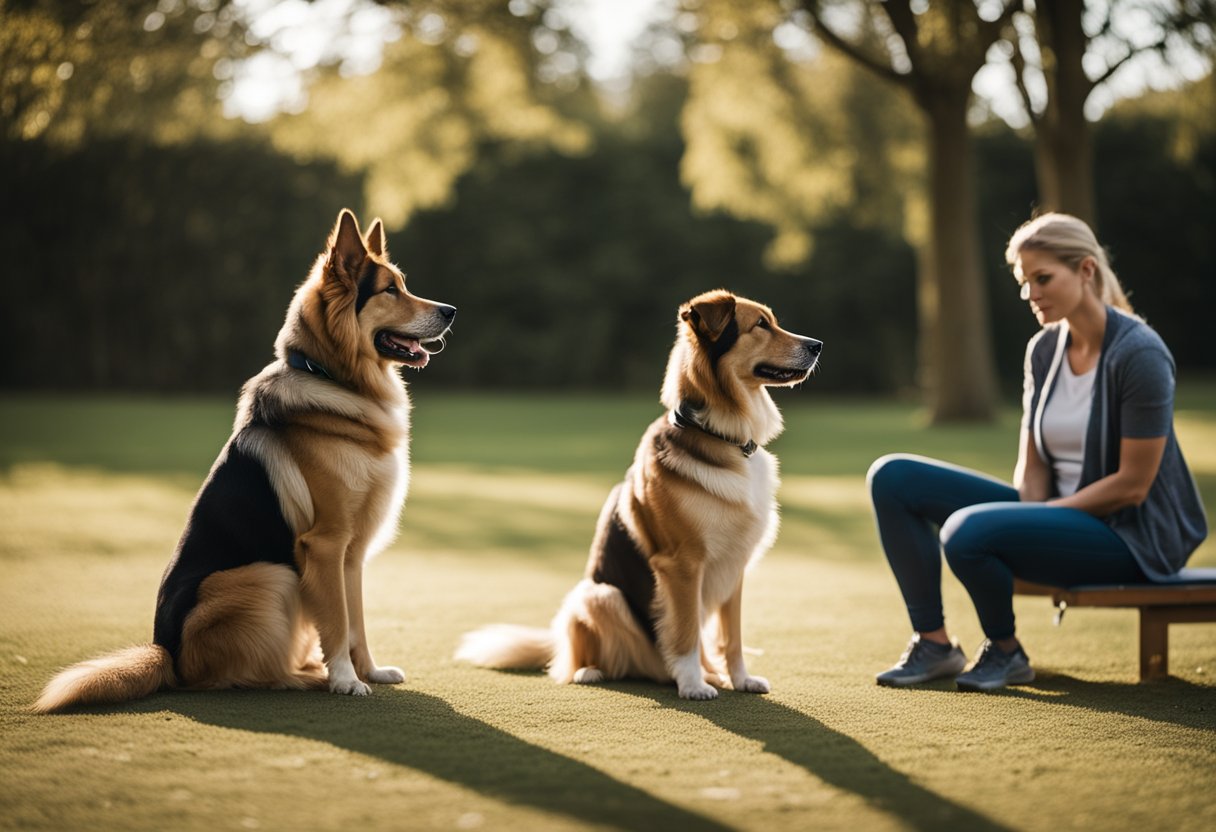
415,346
411,344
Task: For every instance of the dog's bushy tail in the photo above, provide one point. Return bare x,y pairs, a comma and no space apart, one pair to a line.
130,673
508,647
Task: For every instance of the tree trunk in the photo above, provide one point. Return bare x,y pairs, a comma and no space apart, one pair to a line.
1063,145
946,44
958,367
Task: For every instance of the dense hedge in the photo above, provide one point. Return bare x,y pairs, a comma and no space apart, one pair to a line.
130,266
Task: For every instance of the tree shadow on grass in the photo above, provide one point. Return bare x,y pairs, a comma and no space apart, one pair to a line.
425,733
1171,701
833,757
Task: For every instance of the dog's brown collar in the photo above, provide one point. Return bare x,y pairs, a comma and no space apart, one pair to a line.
684,416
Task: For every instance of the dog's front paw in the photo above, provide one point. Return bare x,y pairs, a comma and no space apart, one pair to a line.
698,690
752,684
588,676
348,686
386,675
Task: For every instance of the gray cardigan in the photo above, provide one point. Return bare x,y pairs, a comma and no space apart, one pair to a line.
1133,397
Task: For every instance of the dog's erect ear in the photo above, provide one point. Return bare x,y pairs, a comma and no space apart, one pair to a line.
708,316
346,249
375,238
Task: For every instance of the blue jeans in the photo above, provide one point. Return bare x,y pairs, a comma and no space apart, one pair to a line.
925,507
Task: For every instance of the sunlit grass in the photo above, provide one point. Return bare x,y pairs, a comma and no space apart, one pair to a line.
504,496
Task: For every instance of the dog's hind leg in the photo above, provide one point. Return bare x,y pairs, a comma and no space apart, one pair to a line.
574,656
598,639
576,635
309,663
244,631
584,653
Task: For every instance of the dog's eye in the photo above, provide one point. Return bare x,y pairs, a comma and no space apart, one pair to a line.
764,324
392,289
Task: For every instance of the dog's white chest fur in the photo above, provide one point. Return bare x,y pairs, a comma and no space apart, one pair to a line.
738,539
396,483
393,481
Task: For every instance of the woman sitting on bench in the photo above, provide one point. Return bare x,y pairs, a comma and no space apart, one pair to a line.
1101,492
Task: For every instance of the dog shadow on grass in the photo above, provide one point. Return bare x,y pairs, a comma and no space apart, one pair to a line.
835,758
423,732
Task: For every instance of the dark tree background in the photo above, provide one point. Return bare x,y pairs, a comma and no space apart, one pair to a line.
149,244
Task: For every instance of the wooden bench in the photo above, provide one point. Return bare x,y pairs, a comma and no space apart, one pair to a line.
1189,599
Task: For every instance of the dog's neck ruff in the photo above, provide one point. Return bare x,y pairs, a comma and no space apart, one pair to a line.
684,416
300,361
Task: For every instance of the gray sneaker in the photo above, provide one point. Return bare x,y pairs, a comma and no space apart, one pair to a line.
924,661
995,668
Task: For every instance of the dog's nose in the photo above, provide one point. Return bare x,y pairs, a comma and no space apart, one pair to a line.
448,312
813,347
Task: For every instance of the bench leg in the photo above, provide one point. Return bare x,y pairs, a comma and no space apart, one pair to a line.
1154,643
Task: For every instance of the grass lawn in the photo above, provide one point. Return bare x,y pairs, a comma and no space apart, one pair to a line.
505,492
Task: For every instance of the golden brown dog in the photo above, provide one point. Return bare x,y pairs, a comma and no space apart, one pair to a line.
673,540
309,485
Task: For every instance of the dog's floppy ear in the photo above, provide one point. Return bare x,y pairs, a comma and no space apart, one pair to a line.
375,238
709,315
346,249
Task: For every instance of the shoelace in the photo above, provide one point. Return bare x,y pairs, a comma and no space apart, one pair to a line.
991,655
910,650
915,646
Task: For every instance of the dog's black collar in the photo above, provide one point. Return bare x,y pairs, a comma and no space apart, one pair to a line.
300,361
684,416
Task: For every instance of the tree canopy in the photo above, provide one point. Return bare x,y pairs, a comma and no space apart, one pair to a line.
166,239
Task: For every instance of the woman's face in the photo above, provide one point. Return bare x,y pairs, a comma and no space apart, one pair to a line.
1054,289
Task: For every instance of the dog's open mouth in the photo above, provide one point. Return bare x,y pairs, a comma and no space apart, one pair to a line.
781,375
404,349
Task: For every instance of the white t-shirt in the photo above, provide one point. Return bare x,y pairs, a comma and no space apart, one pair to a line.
1065,420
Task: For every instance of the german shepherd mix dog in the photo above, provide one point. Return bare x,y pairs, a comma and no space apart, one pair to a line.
309,485
696,507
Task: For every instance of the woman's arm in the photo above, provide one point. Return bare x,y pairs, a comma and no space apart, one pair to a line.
1031,477
1146,412
1139,460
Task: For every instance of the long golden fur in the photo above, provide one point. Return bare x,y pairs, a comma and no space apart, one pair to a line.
310,484
662,594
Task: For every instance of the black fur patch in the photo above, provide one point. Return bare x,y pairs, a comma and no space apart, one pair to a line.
620,562
266,411
235,521
682,442
367,285
719,348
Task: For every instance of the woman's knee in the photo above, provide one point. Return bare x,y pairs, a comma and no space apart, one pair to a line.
969,531
893,474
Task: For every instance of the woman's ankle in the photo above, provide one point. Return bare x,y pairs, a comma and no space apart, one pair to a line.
938,636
